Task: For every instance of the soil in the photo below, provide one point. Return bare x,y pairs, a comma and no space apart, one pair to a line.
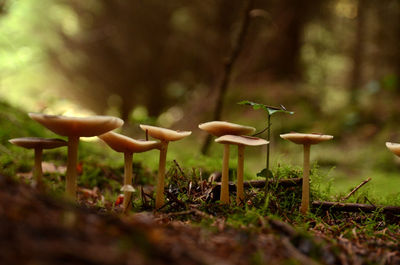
39,229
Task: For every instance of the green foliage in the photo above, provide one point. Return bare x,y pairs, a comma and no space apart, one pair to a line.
270,110
265,173
16,123
93,177
320,184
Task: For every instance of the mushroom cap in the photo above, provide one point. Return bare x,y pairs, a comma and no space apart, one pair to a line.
164,134
128,188
37,142
306,138
77,126
219,128
241,140
394,148
124,144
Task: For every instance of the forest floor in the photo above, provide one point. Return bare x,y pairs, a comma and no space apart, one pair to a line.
40,229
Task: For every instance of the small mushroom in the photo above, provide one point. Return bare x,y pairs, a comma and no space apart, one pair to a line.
241,142
128,146
73,128
165,136
394,148
38,144
219,128
306,140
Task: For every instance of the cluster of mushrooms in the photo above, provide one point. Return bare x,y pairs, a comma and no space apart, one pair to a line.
101,126
230,133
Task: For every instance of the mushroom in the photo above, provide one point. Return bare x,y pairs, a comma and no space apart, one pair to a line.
219,128
128,146
306,139
38,144
394,148
165,136
73,128
241,142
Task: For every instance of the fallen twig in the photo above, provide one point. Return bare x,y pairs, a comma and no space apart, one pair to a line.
354,207
355,189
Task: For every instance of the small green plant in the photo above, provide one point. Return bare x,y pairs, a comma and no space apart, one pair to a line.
270,111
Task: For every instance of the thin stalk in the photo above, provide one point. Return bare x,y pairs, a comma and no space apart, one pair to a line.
260,132
268,151
72,162
239,185
161,175
127,181
225,176
268,139
38,172
305,194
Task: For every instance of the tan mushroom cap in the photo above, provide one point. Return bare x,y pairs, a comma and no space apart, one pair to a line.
241,140
164,134
37,142
219,128
124,144
306,138
77,126
394,148
128,188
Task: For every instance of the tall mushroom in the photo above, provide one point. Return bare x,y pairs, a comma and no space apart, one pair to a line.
73,128
219,128
128,146
38,144
241,142
306,140
165,136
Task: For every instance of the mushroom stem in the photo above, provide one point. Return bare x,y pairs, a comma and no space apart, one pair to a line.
38,167
239,185
225,176
127,181
72,162
161,175
305,195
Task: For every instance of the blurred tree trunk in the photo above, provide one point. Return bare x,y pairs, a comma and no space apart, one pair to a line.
398,50
237,47
358,52
290,18
2,7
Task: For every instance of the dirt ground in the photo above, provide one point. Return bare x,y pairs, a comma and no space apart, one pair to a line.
36,229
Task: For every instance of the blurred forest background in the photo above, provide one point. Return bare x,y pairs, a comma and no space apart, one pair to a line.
336,63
